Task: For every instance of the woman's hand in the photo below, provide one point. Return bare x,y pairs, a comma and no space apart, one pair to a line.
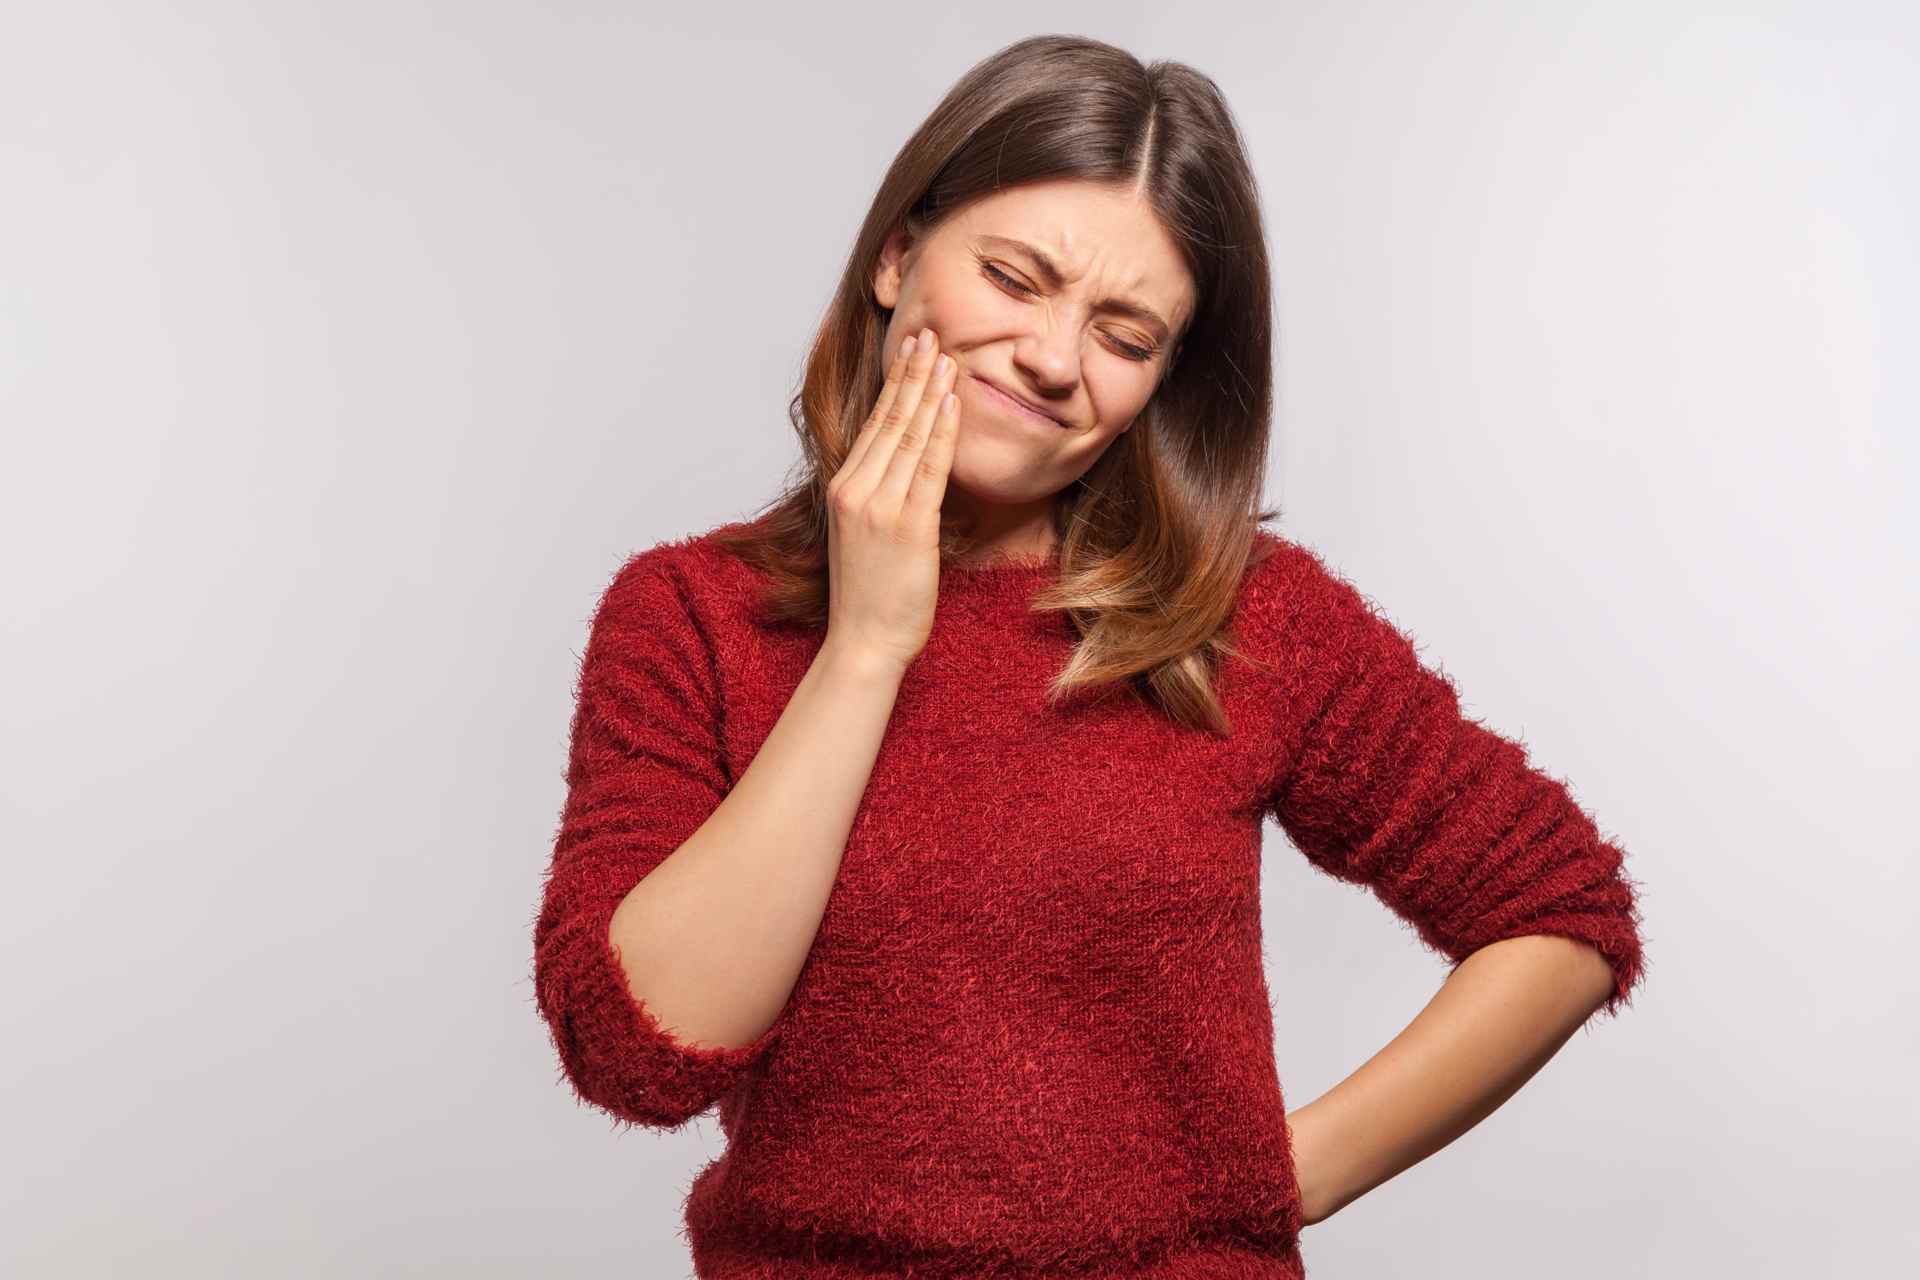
883,510
1318,1200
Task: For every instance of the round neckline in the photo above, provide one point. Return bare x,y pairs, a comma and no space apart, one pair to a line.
1003,568
999,594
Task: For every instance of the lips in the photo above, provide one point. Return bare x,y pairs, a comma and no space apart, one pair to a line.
1018,401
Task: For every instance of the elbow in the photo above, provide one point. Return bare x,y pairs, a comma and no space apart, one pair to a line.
650,1099
1597,975
1622,966
1604,967
1583,899
617,1059
612,1050
621,1094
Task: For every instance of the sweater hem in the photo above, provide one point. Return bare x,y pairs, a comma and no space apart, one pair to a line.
1212,1261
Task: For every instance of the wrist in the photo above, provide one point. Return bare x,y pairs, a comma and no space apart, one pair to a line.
862,662
1313,1169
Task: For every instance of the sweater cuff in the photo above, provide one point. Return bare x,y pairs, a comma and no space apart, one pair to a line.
617,1054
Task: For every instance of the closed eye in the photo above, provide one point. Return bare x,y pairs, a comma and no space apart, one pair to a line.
1008,282
1004,278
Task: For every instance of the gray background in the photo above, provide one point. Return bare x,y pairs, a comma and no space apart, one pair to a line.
348,349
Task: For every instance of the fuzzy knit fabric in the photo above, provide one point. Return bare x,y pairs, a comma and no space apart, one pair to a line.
1033,1037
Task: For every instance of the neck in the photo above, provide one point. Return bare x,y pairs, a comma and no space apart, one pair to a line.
1001,533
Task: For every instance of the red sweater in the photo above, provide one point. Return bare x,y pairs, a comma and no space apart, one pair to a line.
1033,1036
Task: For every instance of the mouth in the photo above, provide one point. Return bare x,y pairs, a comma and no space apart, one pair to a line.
1014,404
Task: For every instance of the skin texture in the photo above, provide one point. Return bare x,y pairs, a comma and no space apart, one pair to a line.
1061,347
764,864
1494,1023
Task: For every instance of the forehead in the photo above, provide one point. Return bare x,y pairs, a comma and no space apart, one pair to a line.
1088,229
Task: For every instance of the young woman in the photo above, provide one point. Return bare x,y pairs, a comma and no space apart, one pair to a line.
916,823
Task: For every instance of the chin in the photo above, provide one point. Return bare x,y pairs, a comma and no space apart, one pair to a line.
1001,479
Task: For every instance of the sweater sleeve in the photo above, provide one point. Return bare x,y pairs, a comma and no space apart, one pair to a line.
644,770
1386,784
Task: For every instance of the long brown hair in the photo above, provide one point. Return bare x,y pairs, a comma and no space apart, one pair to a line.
1157,535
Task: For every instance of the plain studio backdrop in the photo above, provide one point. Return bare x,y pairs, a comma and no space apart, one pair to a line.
349,349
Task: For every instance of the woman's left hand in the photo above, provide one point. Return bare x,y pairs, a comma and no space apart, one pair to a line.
1317,1200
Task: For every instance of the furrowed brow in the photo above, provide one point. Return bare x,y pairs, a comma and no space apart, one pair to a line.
1050,271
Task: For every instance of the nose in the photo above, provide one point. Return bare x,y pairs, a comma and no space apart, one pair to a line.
1049,356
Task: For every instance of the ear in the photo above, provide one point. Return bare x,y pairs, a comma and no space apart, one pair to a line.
887,271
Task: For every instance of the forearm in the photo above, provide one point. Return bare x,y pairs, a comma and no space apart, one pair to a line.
1502,1014
762,866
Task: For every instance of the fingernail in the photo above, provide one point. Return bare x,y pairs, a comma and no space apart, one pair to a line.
926,339
941,365
906,348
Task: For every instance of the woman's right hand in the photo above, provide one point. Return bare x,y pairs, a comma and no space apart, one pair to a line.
883,510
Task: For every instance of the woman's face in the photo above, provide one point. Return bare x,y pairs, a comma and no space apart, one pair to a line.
1088,345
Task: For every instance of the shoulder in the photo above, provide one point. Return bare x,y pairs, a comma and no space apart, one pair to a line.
1290,581
1297,610
687,598
694,570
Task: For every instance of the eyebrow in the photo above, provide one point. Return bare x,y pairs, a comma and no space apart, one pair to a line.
1050,269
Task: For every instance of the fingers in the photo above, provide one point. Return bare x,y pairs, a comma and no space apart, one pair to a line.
866,468
908,467
889,391
928,488
913,388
